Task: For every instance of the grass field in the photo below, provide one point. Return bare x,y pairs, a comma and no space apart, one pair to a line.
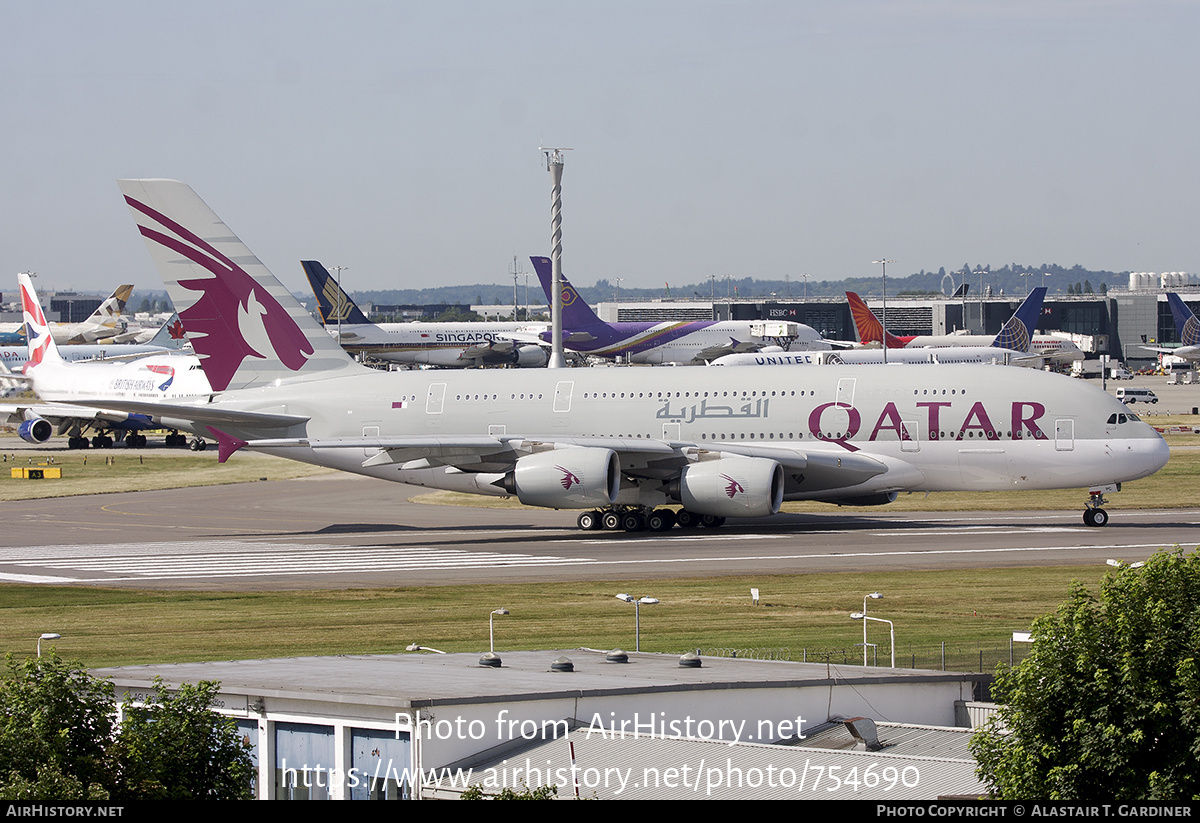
809,611
798,612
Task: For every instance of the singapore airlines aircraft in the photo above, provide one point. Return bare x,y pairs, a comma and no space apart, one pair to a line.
60,383
619,445
696,341
454,345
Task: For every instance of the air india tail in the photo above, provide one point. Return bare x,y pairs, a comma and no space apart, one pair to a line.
870,330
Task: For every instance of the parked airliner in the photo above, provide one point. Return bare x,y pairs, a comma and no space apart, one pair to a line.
1188,328
870,330
450,345
1009,348
60,384
688,342
620,445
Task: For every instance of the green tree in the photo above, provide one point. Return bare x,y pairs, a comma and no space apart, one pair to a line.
55,723
59,739
174,747
1107,704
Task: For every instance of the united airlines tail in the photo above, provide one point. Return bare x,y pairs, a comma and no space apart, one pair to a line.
577,314
1185,321
245,326
332,302
870,330
1018,332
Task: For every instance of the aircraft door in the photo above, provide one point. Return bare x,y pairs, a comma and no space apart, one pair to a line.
1064,435
845,392
910,436
435,399
562,396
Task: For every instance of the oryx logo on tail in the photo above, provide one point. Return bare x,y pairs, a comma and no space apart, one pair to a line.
235,317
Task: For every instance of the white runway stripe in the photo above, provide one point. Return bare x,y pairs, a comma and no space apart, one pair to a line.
145,561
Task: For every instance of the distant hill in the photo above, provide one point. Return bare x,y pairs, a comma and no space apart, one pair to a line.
1007,279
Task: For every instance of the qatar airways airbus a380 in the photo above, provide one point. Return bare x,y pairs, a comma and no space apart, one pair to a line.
625,446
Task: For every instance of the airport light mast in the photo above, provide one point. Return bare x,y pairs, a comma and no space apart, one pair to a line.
883,318
554,164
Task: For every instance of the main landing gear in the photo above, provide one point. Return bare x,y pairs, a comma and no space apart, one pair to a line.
1094,515
640,518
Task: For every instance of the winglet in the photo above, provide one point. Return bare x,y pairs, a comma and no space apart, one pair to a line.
227,444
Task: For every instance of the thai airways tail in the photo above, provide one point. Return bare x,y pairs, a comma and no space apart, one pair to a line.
870,330
1018,332
42,348
1185,320
245,326
577,314
332,302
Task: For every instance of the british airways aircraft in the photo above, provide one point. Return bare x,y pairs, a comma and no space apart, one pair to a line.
690,342
59,383
449,345
624,447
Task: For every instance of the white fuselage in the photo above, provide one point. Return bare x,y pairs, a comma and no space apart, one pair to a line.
980,355
154,378
944,428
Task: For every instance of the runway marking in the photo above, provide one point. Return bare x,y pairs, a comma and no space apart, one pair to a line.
146,562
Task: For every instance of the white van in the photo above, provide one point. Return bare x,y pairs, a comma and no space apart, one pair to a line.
1131,396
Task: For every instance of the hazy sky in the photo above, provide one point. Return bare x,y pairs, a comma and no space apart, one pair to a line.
746,138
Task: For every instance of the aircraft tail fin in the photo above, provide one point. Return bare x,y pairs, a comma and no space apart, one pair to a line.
1018,332
42,348
1185,320
171,335
108,313
577,314
244,325
870,330
332,302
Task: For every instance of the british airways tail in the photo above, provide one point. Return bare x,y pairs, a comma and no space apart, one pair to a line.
1018,332
332,302
577,314
42,348
245,326
1185,321
870,330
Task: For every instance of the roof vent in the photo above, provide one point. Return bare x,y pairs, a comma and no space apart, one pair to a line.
863,729
562,664
616,656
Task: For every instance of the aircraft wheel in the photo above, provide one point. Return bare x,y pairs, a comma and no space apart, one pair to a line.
1096,517
710,521
610,521
686,519
632,522
660,520
589,521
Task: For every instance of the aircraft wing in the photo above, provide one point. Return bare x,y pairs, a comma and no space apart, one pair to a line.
198,414
660,459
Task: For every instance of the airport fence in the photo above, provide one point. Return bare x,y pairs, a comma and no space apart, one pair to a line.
946,657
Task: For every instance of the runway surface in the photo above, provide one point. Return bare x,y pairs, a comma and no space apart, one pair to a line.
343,531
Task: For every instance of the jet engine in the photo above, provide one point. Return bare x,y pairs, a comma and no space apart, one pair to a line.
36,430
730,487
573,478
531,357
